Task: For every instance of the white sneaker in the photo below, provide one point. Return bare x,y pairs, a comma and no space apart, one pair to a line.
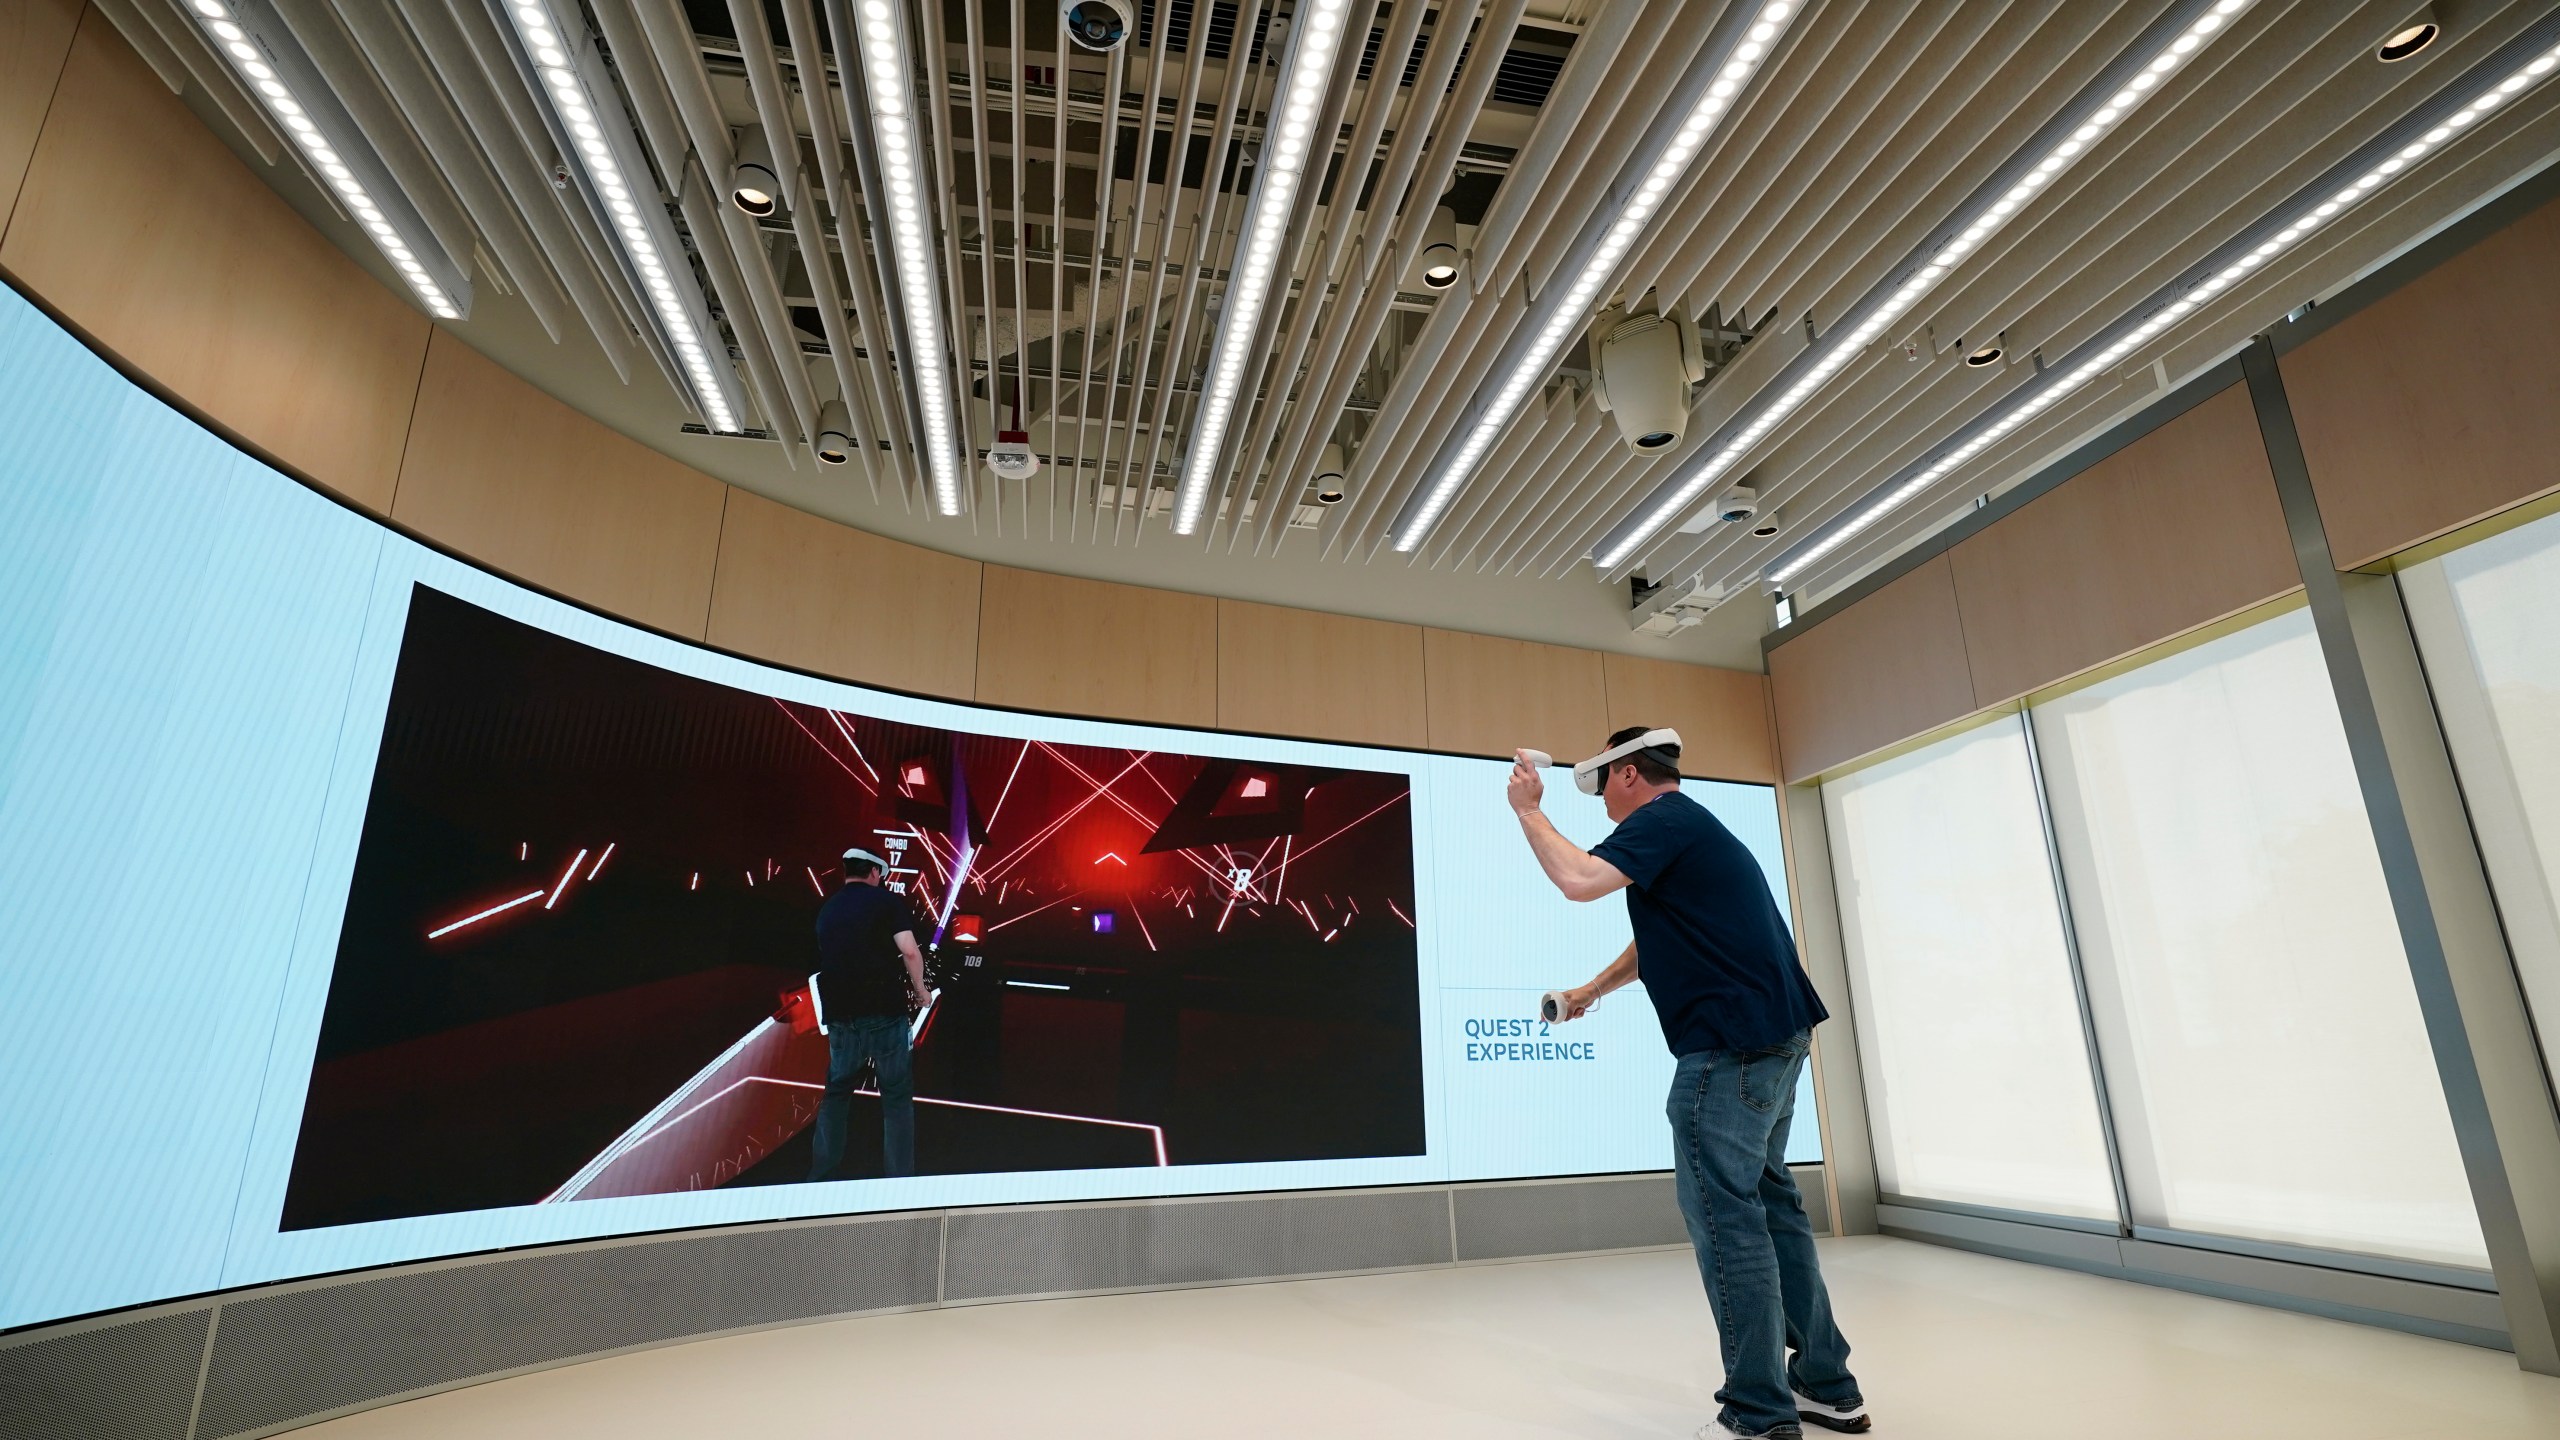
1851,1418
1716,1429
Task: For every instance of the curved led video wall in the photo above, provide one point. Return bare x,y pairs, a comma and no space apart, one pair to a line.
364,907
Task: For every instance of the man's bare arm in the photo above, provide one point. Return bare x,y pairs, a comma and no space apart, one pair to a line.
1617,974
1575,871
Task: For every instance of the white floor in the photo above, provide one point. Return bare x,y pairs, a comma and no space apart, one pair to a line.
1948,1344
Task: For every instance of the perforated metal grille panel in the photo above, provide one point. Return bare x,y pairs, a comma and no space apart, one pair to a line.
298,1353
133,1381
1040,1252
1509,1221
307,1352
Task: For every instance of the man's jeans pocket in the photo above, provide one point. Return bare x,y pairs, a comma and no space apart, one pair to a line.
1769,1076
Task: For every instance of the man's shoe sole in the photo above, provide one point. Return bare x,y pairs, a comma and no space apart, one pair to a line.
1858,1424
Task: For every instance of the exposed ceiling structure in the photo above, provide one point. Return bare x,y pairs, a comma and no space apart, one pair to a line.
1851,229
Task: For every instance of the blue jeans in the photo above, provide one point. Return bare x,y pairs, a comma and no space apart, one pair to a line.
880,1041
1730,1111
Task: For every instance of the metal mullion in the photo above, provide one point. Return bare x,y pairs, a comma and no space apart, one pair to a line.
2081,1223
2459,1277
2478,1025
2079,973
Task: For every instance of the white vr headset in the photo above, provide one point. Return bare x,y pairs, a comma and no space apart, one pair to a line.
1588,775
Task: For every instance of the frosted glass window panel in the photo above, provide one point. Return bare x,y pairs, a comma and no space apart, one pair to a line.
2269,1070
1976,1064
2483,616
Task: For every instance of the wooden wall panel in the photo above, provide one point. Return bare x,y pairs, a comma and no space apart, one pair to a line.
2432,407
1328,677
1090,647
2176,530
35,38
1489,696
136,223
506,474
806,591
1885,669
1722,715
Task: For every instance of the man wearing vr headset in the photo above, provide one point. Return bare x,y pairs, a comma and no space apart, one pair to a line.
1737,1009
868,960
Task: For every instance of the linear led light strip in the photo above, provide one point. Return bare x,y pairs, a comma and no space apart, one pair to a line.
1275,191
629,205
2517,68
2160,53
891,88
1566,317
255,57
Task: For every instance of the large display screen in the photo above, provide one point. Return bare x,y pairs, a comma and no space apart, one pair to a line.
365,907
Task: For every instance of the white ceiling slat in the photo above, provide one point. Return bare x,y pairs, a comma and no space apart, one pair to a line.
1982,295
1586,91
1381,262
1328,301
2218,201
1522,462
1846,82
1158,241
1866,127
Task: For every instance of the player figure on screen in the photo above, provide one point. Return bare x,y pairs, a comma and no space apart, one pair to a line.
868,962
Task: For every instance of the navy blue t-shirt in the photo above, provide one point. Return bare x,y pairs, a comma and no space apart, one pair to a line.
1711,947
861,971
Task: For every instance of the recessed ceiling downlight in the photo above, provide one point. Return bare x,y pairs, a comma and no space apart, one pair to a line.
2408,41
1986,355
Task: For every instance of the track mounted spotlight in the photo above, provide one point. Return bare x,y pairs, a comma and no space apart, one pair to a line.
755,185
1436,265
1330,469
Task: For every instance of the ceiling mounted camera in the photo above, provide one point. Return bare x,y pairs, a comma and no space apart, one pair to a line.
1647,364
1738,503
1098,25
